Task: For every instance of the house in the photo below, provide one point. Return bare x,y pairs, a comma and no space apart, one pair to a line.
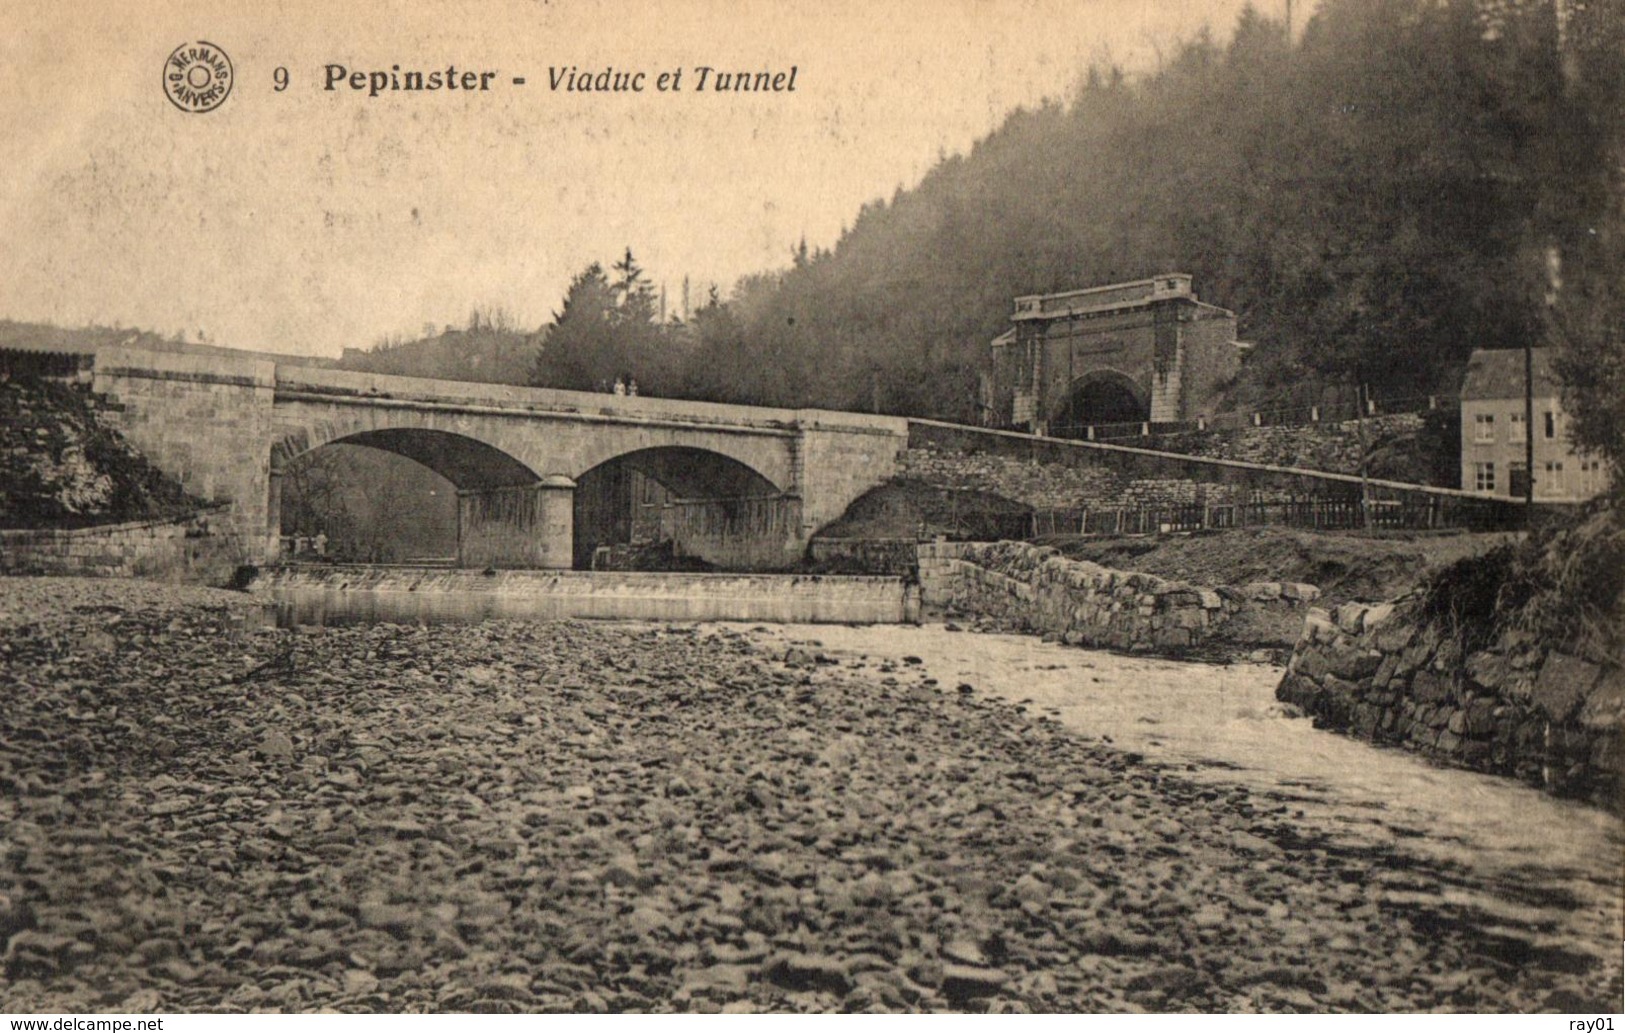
1493,432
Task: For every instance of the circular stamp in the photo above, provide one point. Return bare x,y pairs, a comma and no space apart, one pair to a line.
197,77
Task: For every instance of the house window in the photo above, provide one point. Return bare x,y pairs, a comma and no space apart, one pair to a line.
1484,476
1551,424
1515,427
1591,477
1552,484
1484,428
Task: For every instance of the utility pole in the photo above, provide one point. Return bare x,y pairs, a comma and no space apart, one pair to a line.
1365,478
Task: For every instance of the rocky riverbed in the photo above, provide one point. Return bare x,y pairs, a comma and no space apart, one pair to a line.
205,814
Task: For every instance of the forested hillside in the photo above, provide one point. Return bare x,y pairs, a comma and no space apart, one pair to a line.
1407,181
1373,202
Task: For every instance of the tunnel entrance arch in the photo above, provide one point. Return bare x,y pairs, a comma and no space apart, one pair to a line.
1098,397
659,507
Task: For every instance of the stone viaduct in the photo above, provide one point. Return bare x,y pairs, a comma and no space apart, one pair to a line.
227,427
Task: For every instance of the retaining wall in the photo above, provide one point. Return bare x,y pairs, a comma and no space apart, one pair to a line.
1517,708
889,556
1035,589
192,548
314,595
1057,485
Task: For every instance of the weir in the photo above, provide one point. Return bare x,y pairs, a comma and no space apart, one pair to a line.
345,594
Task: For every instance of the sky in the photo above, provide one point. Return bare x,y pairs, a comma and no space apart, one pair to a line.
305,220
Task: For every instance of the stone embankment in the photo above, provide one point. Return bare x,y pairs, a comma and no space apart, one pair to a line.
184,549
1517,708
1016,586
554,816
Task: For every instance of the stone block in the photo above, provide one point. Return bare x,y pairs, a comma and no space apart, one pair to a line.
1366,719
1343,690
1376,616
1428,687
1174,638
1385,671
1604,708
1563,683
1349,616
1299,592
1261,591
1608,751
1191,618
1318,626
1310,663
1354,663
1488,669
1480,717
1209,599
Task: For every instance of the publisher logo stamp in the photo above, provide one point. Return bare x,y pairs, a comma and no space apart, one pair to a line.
197,77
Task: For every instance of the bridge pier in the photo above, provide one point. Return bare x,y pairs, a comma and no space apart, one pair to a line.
272,543
525,527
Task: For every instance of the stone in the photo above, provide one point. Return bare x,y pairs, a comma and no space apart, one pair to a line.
275,745
1376,616
1349,616
803,971
967,982
1488,670
1261,591
1604,707
1563,683
1299,592
965,951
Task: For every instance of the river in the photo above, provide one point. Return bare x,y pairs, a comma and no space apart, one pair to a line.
1529,874
1523,866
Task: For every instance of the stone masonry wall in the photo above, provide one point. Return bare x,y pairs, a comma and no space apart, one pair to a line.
1034,589
1333,446
1516,708
189,549
1056,486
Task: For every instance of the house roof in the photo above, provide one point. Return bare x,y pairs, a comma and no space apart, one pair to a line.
1498,373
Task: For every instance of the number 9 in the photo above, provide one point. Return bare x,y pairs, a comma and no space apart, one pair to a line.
280,78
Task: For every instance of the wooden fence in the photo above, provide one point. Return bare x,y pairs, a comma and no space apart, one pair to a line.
1425,513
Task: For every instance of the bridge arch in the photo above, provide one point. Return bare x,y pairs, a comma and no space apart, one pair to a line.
629,499
468,463
391,494
1098,396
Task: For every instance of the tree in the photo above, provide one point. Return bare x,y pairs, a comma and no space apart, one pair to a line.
579,349
634,295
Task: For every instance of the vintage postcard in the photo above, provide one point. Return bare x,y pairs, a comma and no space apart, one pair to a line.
992,506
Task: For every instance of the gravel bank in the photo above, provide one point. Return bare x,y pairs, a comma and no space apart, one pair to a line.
203,815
